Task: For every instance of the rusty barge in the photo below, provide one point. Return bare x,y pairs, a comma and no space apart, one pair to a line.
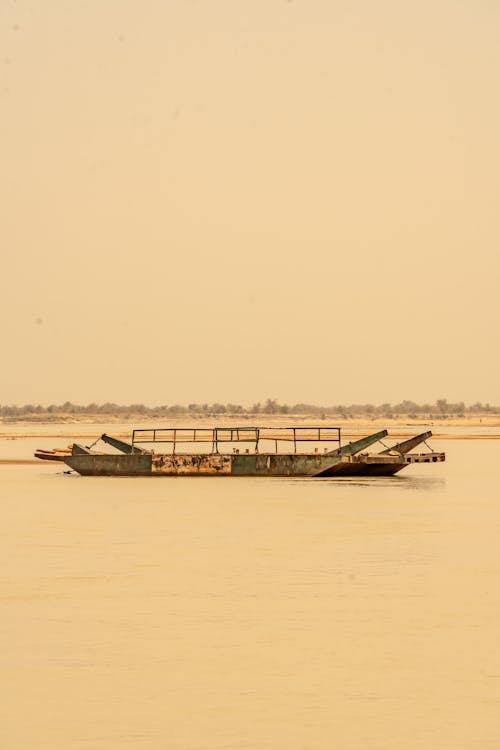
315,451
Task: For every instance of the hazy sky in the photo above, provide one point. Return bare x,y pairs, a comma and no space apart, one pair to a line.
227,200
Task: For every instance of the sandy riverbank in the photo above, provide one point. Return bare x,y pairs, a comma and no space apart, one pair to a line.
469,428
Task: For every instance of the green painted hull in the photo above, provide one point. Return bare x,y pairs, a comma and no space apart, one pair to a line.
271,465
251,465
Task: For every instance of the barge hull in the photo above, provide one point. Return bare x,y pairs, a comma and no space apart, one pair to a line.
270,465
263,465
111,465
291,461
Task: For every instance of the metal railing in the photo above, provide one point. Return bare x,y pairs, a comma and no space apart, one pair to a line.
227,435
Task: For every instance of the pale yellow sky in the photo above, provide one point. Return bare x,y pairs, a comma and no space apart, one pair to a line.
227,200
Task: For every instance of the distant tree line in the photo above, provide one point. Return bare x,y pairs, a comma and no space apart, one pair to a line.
440,409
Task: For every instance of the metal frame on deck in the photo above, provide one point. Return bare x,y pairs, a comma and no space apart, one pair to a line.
216,435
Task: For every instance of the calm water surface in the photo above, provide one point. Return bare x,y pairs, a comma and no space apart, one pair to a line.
214,614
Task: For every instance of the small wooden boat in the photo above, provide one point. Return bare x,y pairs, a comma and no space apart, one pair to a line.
59,454
54,454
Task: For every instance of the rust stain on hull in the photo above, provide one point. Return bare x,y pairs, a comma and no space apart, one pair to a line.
203,465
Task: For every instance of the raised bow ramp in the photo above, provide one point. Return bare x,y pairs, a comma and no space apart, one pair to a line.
407,445
359,445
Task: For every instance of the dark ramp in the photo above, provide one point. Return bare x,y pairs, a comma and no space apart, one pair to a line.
80,450
407,445
358,445
122,446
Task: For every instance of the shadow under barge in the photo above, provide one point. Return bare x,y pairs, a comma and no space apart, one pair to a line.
248,451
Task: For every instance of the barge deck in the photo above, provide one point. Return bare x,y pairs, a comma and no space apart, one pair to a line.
315,451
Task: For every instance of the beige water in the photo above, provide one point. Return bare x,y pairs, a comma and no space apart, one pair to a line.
214,614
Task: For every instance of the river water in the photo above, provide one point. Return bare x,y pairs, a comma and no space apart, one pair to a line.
227,613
